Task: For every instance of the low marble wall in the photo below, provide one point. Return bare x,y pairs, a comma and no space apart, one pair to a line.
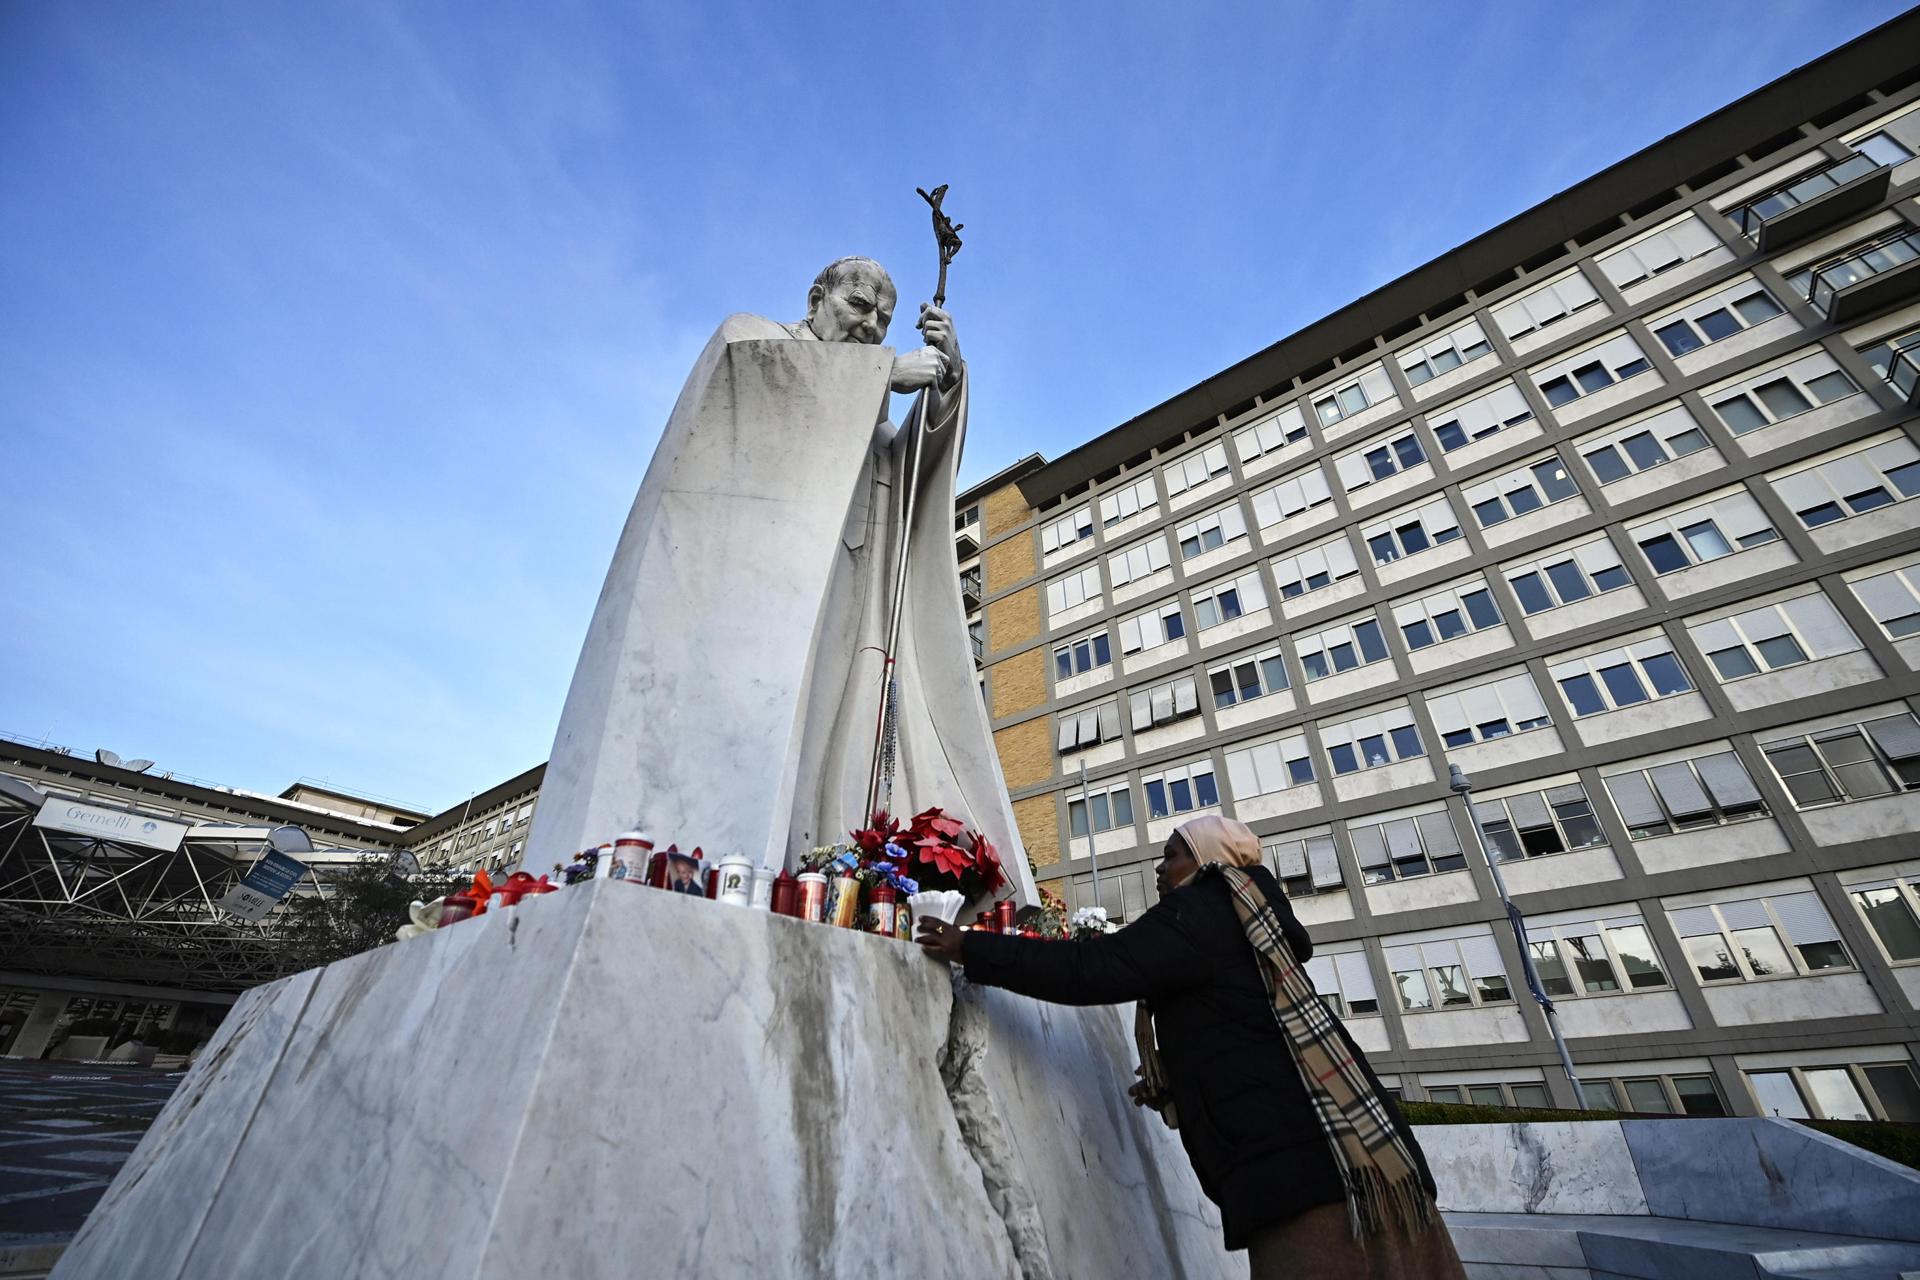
1767,1173
613,1081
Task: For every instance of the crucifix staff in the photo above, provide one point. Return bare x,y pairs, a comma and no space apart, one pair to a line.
886,728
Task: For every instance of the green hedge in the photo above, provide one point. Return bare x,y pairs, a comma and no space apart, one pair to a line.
1897,1142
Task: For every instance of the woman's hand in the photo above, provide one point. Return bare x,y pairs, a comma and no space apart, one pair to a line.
939,939
1143,1095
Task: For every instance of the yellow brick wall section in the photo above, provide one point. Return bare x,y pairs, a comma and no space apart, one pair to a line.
1009,562
1039,824
1026,752
1002,509
1011,621
1019,683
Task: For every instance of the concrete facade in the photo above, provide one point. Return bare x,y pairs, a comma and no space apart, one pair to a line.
1451,507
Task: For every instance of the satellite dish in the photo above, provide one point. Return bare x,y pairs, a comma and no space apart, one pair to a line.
139,766
107,757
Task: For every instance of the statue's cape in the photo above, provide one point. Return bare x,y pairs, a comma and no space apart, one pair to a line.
729,686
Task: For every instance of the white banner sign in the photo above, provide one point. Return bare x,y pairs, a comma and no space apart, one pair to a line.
248,904
110,824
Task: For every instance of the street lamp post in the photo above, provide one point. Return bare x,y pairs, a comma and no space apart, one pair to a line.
1461,785
1093,854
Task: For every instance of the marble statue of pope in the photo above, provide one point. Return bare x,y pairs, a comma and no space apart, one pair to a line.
730,684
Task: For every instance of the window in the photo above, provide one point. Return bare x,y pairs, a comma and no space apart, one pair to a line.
1669,434
1370,388
1624,677
1897,360
1225,601
1406,848
1883,148
1693,1095
1680,241
1372,742
1342,648
1752,215
1848,762
1345,981
1410,531
1803,629
1484,712
1074,527
961,519
1594,369
1316,567
1707,791
1159,625
1551,303
1211,531
1852,485
1246,678
1779,935
1567,576
1447,614
1073,590
1380,460
1138,560
1304,866
1719,527
1270,434
1707,320
1164,703
1535,824
1820,282
1776,394
1519,1093
1111,804
1263,768
1196,469
1893,598
1448,974
1129,500
1577,956
1290,497
1480,417
1088,727
1463,345
1520,491
1077,657
1181,789
1891,908
1839,1092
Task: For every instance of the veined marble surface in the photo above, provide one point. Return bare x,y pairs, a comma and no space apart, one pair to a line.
1540,1167
614,1081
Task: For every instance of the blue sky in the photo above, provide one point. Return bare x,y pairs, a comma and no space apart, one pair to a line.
334,338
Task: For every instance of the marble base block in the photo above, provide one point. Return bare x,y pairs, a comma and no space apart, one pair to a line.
613,1081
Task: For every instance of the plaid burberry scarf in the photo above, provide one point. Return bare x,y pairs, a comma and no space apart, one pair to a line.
1379,1171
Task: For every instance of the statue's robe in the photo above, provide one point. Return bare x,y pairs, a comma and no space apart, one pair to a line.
730,684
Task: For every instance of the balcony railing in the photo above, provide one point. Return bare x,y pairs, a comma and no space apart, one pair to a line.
1812,201
979,647
1865,278
1903,365
970,587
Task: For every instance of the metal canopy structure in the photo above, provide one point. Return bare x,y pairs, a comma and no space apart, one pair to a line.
118,908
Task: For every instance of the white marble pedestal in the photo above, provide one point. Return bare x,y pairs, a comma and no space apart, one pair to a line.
616,1081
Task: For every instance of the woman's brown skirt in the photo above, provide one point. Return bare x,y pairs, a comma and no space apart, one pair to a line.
1320,1243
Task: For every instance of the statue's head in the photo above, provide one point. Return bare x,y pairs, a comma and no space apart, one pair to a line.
851,301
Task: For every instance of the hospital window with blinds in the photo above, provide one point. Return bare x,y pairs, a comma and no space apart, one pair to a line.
1304,866
1848,762
1684,794
1781,935
1535,824
1448,974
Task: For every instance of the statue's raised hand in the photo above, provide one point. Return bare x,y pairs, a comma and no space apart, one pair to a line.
917,370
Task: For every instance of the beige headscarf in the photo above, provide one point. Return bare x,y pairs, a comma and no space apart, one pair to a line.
1209,839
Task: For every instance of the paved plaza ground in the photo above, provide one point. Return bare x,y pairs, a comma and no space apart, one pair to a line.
65,1130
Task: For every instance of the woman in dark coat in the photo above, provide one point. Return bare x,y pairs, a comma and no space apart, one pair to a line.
1314,1179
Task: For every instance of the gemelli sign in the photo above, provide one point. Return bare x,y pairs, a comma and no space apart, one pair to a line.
117,825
